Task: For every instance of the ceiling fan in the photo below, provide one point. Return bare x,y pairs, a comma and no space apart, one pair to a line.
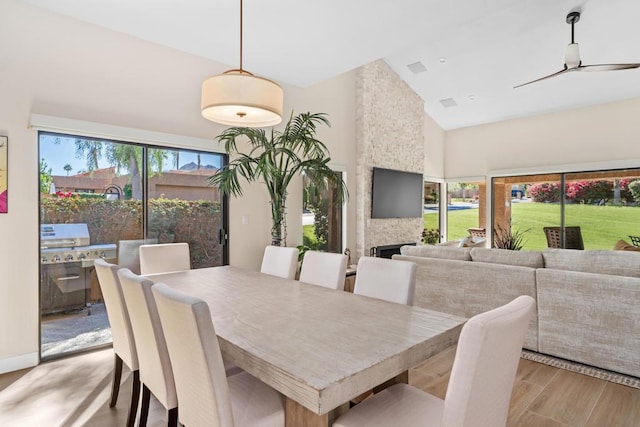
572,60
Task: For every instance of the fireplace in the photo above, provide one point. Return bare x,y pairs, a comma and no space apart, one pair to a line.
387,251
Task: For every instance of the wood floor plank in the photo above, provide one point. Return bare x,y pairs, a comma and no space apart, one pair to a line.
523,394
618,406
535,373
531,419
568,398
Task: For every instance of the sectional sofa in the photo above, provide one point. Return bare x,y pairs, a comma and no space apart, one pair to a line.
588,302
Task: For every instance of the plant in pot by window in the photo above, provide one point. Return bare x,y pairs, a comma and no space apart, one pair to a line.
430,236
276,159
509,238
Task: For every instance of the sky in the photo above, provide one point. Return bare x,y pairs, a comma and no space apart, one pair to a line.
59,154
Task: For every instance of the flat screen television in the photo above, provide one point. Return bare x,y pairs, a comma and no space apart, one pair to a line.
396,194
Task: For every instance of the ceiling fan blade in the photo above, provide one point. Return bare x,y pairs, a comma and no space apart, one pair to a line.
607,67
564,70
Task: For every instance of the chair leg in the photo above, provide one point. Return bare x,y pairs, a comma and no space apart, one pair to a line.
144,409
115,385
172,420
135,397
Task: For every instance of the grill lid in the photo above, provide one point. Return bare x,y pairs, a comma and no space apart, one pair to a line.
63,235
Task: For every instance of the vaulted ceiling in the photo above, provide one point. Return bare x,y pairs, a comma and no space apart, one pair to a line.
472,53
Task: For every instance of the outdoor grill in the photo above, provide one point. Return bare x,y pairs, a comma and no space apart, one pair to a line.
66,258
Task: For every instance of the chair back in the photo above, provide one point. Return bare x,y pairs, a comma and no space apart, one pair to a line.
195,356
387,279
485,366
324,269
124,344
129,253
280,261
164,258
153,356
572,237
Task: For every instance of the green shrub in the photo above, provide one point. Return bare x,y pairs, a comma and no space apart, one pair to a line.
109,221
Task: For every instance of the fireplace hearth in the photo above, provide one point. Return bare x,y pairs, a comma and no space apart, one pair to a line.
387,251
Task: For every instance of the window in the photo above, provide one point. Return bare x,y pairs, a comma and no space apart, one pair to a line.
130,194
465,208
322,219
603,204
431,208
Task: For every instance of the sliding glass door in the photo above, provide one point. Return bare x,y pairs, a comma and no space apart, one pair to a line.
578,210
103,199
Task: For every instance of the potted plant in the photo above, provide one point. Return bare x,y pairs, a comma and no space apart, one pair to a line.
430,236
275,159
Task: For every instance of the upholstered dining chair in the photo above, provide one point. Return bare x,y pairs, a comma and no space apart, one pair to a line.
280,261
324,269
124,346
480,384
129,253
387,279
156,374
164,258
207,397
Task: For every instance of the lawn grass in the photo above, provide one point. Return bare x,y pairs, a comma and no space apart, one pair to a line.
601,226
309,236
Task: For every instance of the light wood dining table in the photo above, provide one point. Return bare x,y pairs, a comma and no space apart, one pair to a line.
318,347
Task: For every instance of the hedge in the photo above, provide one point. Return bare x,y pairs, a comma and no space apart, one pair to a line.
109,221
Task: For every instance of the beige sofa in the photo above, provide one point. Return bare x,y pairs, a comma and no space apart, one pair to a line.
588,302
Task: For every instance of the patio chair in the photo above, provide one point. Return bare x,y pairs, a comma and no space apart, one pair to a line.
477,232
572,237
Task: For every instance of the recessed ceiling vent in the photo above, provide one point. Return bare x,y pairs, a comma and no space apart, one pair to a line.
448,103
417,67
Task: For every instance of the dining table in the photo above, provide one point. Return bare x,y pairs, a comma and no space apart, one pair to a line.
318,347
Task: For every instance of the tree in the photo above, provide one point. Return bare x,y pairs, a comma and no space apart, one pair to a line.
276,160
91,150
45,177
68,168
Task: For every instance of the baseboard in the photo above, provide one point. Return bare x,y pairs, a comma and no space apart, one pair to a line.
16,363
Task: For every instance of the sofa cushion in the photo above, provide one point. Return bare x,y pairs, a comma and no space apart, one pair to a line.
531,259
469,288
590,318
617,263
433,251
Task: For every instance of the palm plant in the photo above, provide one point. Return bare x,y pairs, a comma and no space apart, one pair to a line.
276,160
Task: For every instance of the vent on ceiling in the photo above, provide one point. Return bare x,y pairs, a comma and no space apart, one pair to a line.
448,103
417,67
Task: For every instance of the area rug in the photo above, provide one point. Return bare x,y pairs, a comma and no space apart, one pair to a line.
602,374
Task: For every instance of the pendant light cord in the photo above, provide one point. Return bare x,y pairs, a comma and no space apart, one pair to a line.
241,70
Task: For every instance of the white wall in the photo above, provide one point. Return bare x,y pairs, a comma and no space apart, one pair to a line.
597,134
54,65
433,149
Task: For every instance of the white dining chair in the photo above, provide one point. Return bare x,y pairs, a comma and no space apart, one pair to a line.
124,346
480,384
280,261
324,269
207,397
164,258
129,253
156,374
387,279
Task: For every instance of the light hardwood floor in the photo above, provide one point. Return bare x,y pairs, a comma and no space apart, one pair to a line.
75,392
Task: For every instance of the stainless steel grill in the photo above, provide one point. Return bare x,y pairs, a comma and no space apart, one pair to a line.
66,257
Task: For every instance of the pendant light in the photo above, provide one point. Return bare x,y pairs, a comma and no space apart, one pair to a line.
238,98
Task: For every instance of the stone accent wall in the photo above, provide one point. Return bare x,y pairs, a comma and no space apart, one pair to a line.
389,134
